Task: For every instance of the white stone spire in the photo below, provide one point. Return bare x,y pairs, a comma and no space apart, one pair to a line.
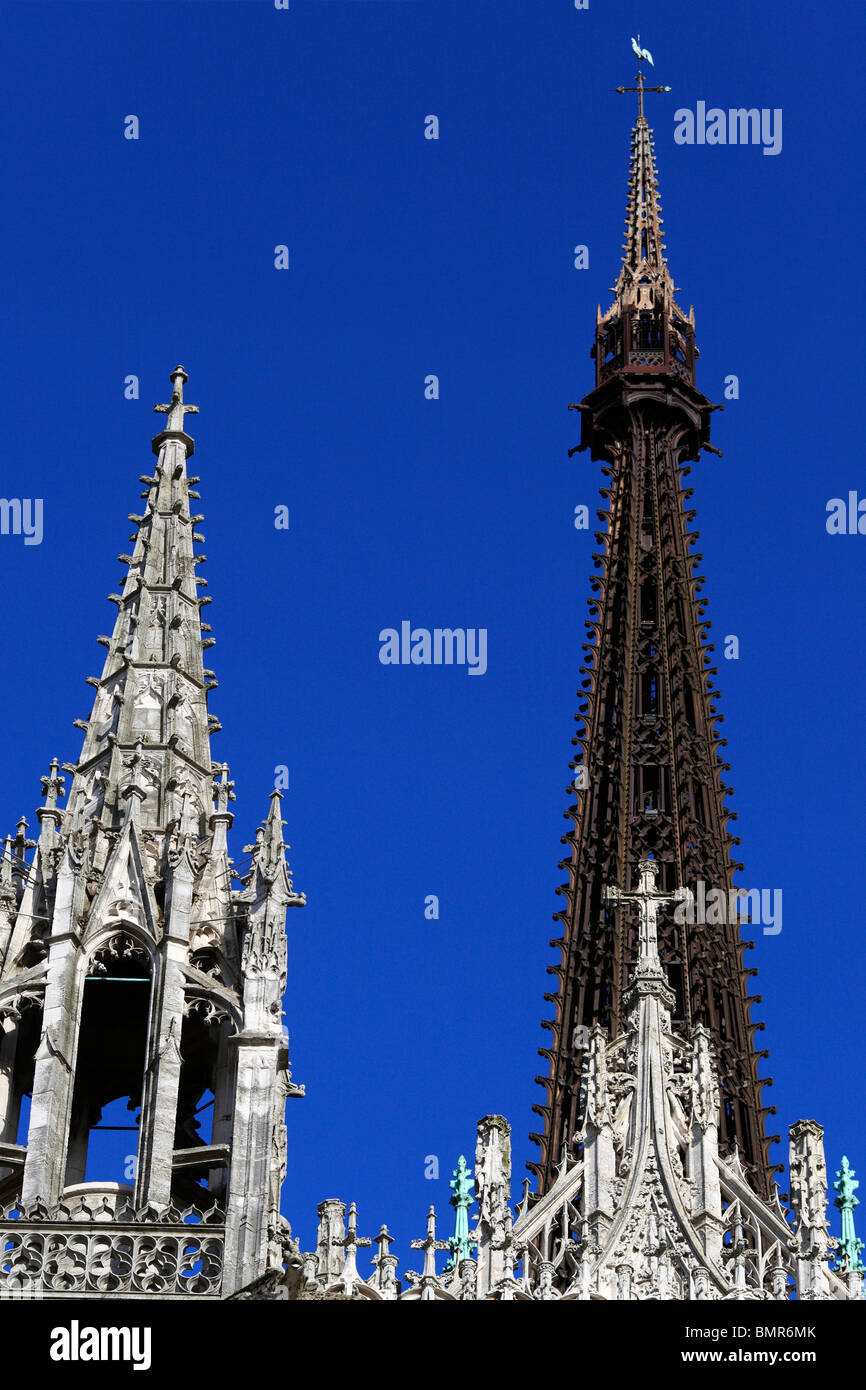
130,894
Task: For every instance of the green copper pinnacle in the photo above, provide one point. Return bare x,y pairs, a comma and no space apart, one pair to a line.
462,1197
849,1247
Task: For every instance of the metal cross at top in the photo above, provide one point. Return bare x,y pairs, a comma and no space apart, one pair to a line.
176,410
649,900
642,54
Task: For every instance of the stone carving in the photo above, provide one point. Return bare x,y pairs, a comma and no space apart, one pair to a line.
183,721
13,1006
155,632
186,803
148,701
119,948
80,1262
208,1010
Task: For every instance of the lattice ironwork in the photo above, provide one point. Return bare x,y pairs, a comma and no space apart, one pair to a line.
650,763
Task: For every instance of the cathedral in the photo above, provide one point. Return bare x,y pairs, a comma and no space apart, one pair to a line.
138,962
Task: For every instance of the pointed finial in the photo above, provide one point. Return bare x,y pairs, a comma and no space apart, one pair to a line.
50,816
53,785
20,846
272,832
430,1245
384,1241
461,1200
221,819
644,327
22,842
224,790
385,1264
849,1247
176,409
351,1243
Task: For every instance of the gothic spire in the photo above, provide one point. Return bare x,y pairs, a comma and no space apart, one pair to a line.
649,785
154,684
644,279
132,884
269,867
644,327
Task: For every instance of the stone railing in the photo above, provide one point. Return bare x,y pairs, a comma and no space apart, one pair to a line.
99,1249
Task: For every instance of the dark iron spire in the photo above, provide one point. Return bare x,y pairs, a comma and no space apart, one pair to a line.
650,766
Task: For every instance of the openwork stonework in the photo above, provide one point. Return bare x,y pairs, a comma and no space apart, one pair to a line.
81,1249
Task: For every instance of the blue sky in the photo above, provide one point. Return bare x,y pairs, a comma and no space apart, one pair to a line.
409,257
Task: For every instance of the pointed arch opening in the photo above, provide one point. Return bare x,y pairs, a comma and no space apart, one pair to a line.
203,1119
109,1063
20,1029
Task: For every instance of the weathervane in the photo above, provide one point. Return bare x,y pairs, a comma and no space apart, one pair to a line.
642,54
